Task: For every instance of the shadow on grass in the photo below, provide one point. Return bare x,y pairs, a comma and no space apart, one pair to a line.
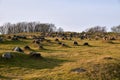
87,46
25,61
48,43
111,42
58,50
92,46
114,42
5,78
14,42
49,50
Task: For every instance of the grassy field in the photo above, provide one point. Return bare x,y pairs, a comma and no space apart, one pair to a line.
59,62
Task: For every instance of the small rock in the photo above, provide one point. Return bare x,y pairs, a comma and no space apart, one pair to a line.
59,42
8,37
86,44
14,39
7,55
27,48
18,49
108,57
36,41
63,38
41,47
35,55
112,38
75,43
78,70
56,39
64,44
22,37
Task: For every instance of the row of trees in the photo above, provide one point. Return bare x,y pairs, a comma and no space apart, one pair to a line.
9,28
96,29
116,29
99,29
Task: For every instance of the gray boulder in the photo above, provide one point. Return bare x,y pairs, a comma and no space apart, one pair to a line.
7,55
18,49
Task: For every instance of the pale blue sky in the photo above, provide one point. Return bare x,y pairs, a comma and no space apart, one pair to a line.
71,15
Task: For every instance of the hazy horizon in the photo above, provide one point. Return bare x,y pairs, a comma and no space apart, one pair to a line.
76,15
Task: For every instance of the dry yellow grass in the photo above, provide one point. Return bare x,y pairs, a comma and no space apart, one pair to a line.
59,61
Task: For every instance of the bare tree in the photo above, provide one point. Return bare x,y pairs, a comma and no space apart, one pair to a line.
96,29
9,28
60,29
116,29
2,30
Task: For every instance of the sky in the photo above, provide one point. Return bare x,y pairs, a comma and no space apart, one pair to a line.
71,15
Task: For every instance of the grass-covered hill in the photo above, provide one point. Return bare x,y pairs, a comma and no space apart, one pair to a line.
100,60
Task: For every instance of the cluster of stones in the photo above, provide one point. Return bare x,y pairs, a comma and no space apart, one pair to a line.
9,55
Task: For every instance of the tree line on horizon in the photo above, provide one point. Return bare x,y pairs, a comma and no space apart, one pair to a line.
30,27
99,29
